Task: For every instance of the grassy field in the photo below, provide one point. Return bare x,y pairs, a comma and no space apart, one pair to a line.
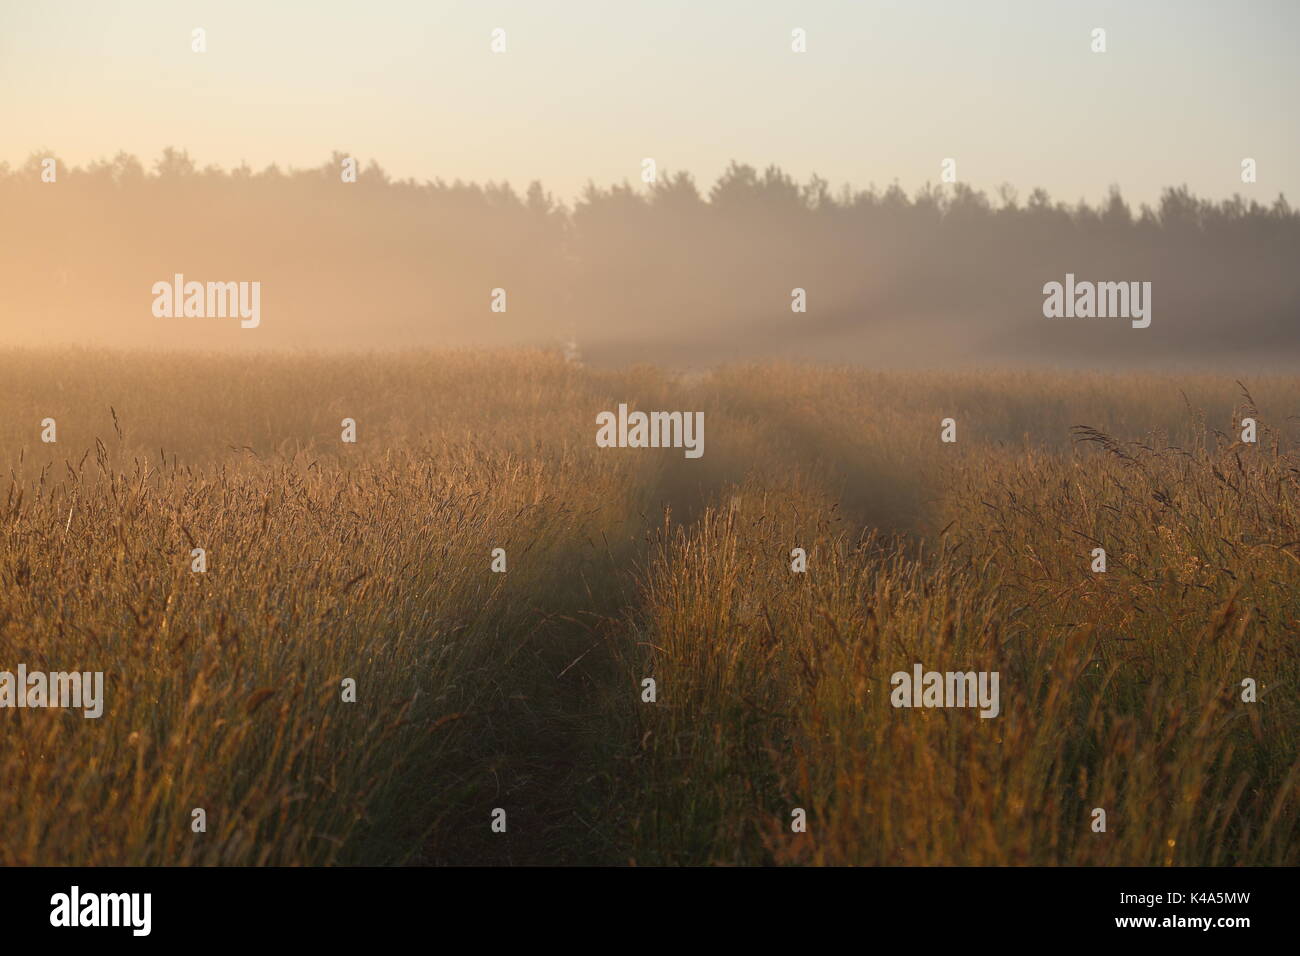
523,690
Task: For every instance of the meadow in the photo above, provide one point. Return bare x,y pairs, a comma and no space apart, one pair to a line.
371,561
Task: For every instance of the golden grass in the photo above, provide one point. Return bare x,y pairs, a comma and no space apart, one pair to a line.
477,690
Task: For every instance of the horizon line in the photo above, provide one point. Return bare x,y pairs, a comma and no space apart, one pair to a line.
152,170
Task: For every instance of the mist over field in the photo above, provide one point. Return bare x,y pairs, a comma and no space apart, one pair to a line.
671,272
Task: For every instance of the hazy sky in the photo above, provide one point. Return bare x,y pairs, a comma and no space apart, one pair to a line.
886,91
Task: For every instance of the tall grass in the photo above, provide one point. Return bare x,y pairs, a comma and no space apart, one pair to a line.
523,690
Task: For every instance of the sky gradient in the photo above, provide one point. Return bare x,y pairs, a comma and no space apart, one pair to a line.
586,89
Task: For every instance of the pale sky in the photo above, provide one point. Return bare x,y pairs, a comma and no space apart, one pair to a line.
587,88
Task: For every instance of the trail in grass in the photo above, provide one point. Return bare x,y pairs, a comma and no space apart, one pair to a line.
545,746
556,747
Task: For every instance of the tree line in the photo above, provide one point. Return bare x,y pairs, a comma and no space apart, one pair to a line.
663,271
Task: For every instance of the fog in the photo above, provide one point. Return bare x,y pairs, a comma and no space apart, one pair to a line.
671,272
